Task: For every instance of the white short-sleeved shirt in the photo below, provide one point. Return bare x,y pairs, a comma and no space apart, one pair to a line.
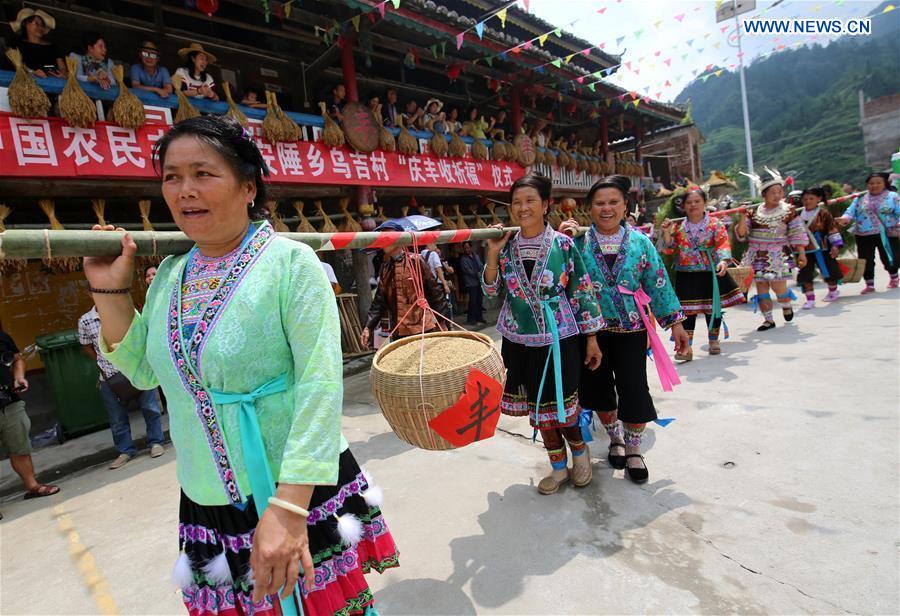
329,271
434,262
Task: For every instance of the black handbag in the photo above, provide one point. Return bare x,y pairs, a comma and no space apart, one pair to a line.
122,387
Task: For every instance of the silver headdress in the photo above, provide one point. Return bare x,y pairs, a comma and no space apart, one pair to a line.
761,185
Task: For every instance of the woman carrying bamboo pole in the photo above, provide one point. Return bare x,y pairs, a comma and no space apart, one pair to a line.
549,302
242,334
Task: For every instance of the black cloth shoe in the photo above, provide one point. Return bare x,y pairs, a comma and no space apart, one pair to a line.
766,326
617,462
637,475
788,314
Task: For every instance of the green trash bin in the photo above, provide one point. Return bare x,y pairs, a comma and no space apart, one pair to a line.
73,377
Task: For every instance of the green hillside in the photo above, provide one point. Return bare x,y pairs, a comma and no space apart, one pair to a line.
804,107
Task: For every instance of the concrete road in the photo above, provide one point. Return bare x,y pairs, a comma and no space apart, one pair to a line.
774,491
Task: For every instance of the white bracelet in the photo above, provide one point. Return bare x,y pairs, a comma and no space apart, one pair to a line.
273,500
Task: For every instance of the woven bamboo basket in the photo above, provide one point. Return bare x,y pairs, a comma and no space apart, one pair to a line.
855,269
400,396
741,276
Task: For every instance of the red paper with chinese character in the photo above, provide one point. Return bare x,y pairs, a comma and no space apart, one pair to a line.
474,417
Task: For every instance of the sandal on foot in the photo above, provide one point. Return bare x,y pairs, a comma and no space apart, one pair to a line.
766,326
41,491
550,484
714,347
617,462
637,475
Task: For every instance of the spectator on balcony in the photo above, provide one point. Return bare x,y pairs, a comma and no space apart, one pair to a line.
338,100
434,113
413,114
373,102
40,55
453,124
148,74
501,122
195,81
251,99
390,111
93,65
475,125
539,133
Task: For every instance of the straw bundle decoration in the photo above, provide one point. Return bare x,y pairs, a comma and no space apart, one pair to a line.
327,225
514,152
498,148
446,221
479,150
460,221
573,163
305,226
290,130
479,221
127,108
406,143
26,98
332,135
539,158
99,207
562,157
272,128
144,207
550,157
438,142
349,224
276,218
495,220
457,146
233,111
185,111
386,141
553,216
64,264
398,382
9,266
74,105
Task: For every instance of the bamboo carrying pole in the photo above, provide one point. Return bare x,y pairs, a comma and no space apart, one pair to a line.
37,244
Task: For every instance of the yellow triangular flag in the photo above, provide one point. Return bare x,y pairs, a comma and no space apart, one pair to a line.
717,45
888,9
658,23
569,57
502,15
287,8
355,21
719,72
543,39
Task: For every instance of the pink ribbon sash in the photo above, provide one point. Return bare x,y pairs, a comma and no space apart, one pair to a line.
668,377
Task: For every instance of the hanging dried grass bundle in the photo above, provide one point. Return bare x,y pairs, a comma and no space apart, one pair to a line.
26,98
332,135
514,152
553,216
438,142
479,150
386,141
495,220
460,220
349,224
457,146
127,109
233,111
550,157
64,264
272,127
277,219
498,146
290,130
327,225
539,157
99,207
144,207
9,266
305,226
446,221
479,221
185,111
74,105
406,143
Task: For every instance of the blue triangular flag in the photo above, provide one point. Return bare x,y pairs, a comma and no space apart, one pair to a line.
619,40
479,29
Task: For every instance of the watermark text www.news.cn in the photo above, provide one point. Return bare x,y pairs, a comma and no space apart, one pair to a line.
807,26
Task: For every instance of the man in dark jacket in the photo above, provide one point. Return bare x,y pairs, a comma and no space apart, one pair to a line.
471,266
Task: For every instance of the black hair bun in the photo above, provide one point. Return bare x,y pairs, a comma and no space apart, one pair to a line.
620,181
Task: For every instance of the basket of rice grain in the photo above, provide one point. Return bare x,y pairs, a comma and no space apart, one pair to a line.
416,379
742,277
854,269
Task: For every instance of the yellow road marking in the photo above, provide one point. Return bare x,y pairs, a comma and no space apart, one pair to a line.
86,564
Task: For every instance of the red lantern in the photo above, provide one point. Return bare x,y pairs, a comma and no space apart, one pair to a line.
208,6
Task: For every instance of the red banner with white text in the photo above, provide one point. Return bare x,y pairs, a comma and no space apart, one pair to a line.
50,148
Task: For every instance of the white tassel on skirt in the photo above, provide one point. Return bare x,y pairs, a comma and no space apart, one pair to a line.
374,496
349,528
182,575
217,570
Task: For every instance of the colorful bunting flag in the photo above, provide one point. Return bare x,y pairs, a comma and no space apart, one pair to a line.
543,39
396,4
668,61
557,63
355,22
569,57
459,40
619,40
479,30
502,15
638,33
679,18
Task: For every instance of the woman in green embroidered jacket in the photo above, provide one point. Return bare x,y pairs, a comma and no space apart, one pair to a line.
242,334
544,277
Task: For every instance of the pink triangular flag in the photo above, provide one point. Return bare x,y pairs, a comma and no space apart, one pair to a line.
527,45
680,17
628,65
381,8
580,80
668,83
668,61
656,53
459,40
659,95
601,11
587,51
724,28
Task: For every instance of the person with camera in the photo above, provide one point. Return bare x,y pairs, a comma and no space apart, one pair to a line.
118,395
14,422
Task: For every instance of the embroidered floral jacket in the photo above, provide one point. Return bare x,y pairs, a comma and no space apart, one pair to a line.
637,265
274,314
691,250
559,275
870,212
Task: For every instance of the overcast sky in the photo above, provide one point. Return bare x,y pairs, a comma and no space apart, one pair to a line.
685,33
